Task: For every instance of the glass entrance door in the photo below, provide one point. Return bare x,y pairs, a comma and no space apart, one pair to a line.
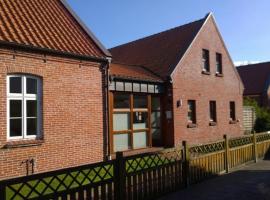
136,121
156,121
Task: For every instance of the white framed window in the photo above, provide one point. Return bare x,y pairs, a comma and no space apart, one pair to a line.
23,107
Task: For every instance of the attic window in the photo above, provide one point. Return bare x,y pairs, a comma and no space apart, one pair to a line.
218,63
205,60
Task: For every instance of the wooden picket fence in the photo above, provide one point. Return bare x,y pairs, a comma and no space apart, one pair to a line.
143,176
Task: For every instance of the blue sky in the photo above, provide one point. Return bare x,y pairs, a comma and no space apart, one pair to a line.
244,24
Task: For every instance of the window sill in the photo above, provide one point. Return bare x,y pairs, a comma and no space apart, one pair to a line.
23,143
212,123
206,73
219,75
191,125
233,121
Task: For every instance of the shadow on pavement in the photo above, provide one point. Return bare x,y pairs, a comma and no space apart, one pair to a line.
250,183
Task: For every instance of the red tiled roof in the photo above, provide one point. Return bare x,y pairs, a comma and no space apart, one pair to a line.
133,72
255,77
161,52
46,24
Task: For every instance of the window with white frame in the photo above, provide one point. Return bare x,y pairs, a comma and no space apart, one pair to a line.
23,107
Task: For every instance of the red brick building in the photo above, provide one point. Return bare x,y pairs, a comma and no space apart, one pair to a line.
256,79
60,107
176,85
52,78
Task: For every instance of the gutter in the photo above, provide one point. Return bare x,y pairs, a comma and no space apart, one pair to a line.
33,49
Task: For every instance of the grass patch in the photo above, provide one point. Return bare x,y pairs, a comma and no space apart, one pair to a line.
77,179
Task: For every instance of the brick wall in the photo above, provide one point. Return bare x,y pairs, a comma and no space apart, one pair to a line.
190,84
73,126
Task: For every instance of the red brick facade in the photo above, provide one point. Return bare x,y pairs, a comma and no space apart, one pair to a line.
73,115
190,84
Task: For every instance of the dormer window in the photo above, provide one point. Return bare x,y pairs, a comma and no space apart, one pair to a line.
205,61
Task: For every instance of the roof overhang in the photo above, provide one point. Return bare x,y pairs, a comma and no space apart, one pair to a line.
33,49
86,29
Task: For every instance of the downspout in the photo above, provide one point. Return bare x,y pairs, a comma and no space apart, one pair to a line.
107,85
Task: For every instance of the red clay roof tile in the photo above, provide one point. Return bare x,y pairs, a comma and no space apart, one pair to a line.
254,77
133,72
160,53
46,24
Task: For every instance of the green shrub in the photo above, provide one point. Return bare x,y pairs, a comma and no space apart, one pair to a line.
262,123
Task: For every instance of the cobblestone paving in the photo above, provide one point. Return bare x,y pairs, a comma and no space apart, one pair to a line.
251,182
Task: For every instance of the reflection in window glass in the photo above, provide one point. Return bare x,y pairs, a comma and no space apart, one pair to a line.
156,133
31,108
121,121
121,101
15,108
232,111
31,126
15,85
140,120
15,126
31,86
155,103
140,101
23,109
192,111
140,140
155,119
121,142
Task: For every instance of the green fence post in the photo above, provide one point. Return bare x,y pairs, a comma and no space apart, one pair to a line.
186,160
227,153
119,176
255,150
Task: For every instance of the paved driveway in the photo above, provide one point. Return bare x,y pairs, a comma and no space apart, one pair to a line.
251,182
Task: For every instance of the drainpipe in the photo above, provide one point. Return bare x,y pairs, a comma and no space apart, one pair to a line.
107,83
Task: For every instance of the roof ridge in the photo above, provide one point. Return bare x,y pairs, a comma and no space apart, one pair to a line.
252,65
159,33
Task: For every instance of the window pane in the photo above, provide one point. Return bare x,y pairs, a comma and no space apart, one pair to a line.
15,127
121,121
140,101
219,63
155,119
140,120
212,106
206,60
31,86
121,142
31,126
191,111
156,133
232,110
15,85
140,140
31,108
155,103
15,108
121,101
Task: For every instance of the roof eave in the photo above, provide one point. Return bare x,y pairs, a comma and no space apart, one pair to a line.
31,49
86,29
191,44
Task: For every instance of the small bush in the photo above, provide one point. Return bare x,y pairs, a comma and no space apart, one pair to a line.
262,123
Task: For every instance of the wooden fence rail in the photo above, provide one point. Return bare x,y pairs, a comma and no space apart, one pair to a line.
143,176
